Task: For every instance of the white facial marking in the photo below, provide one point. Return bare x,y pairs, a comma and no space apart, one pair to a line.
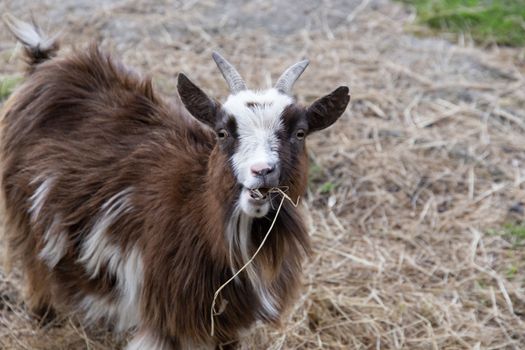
55,244
39,197
251,209
238,234
258,118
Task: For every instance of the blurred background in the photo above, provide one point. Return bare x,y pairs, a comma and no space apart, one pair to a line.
416,197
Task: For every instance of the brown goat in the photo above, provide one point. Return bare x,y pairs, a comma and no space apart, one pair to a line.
134,211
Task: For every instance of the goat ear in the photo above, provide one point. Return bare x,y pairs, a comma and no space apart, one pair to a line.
196,101
326,110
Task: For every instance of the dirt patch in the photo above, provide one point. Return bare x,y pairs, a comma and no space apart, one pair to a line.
407,191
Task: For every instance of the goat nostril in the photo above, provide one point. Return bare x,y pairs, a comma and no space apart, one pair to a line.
262,169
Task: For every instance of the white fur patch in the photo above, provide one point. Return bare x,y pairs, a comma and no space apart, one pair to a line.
238,234
148,341
38,198
96,249
130,275
55,244
127,266
124,310
258,117
96,308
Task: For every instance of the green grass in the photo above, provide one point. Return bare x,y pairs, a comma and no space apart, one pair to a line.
512,271
327,187
515,231
7,85
317,181
315,173
487,21
512,232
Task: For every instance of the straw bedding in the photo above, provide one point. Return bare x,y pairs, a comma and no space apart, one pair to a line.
408,192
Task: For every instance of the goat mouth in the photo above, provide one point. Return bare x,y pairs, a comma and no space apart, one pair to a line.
259,194
255,202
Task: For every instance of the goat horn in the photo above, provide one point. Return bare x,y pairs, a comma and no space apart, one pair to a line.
230,74
289,77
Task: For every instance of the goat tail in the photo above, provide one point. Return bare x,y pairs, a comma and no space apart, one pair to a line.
38,47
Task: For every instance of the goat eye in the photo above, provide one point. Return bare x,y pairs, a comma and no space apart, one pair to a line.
222,134
300,134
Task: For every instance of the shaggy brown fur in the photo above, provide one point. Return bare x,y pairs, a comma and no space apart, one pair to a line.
94,129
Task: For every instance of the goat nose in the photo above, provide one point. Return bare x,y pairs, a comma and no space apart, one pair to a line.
262,169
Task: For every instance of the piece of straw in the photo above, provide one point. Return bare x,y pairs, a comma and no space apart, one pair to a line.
284,196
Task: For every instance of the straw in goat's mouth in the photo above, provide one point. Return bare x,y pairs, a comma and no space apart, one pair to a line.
258,192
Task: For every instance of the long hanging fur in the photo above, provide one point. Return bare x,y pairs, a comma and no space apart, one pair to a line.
121,205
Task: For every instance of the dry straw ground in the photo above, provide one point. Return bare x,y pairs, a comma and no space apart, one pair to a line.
408,191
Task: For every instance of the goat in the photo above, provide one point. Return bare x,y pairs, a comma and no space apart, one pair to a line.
132,210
